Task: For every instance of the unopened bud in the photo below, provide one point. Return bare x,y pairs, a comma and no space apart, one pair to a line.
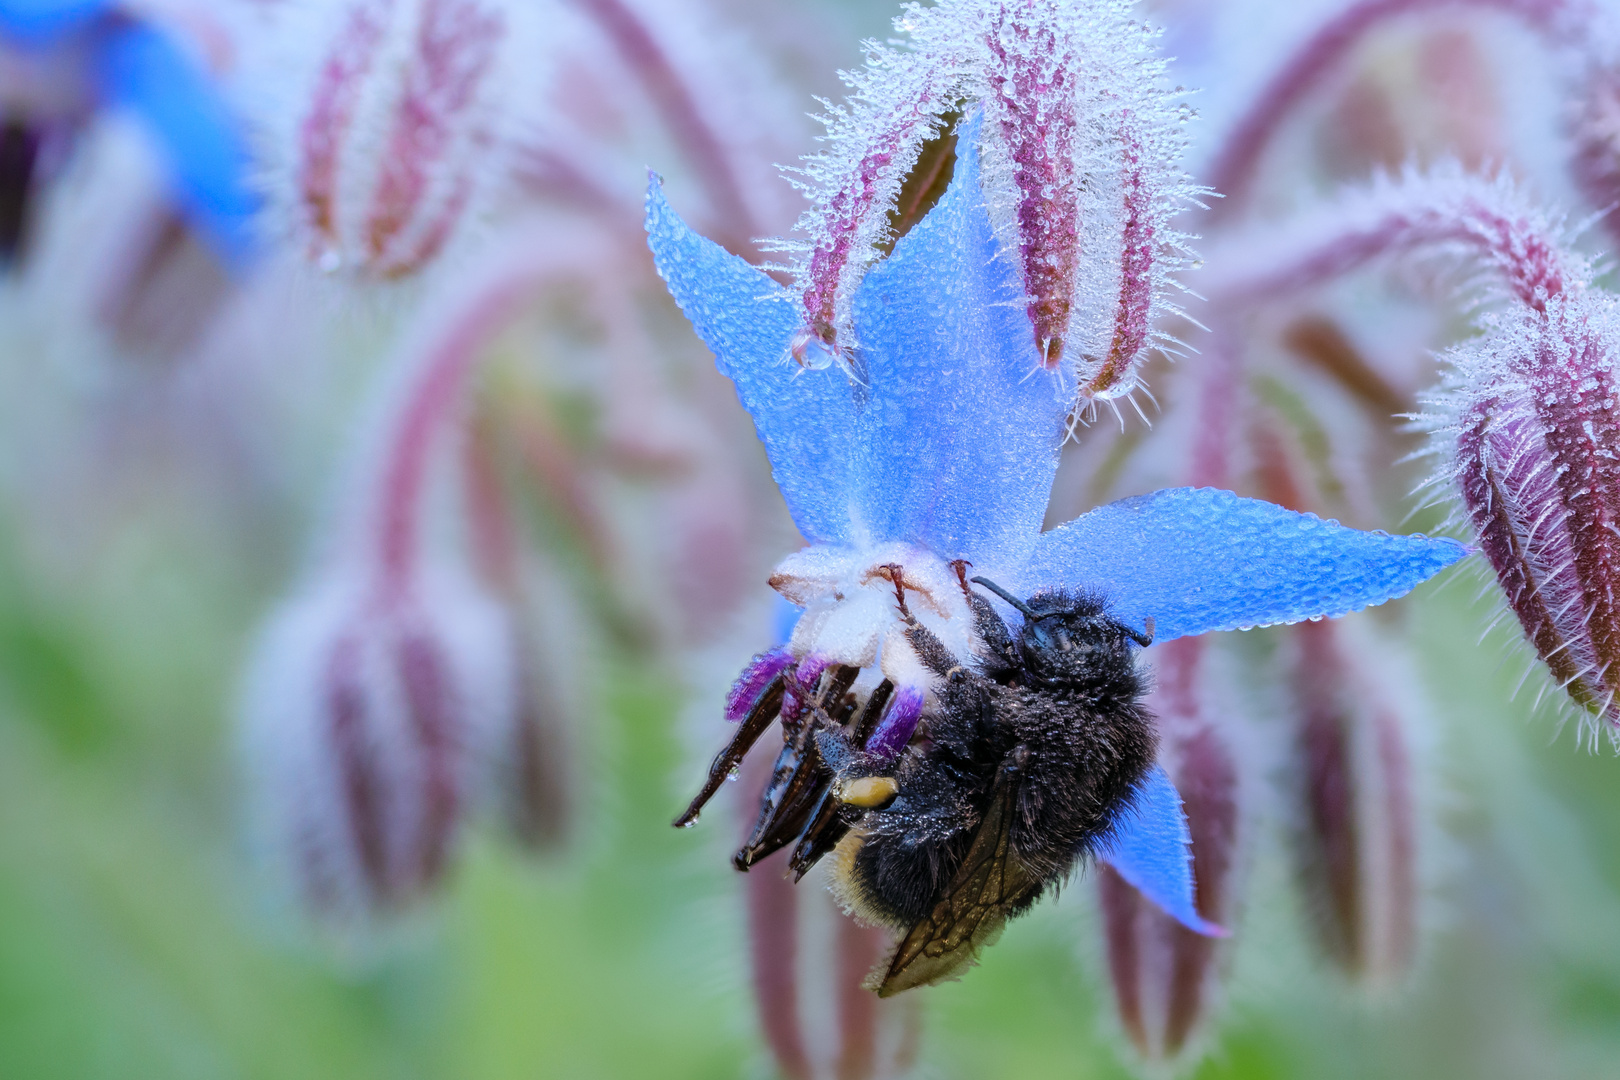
366,719
1536,425
391,150
1357,827
1080,146
1527,421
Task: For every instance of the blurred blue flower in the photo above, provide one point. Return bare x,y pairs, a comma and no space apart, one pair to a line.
40,22
940,446
136,66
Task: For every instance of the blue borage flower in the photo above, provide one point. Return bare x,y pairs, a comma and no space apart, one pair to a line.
138,67
940,446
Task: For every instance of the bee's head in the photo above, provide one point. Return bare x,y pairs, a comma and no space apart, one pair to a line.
1070,640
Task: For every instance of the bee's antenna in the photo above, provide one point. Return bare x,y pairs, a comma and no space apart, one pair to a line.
1137,636
1007,596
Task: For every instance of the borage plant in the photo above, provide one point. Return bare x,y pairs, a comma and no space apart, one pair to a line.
956,768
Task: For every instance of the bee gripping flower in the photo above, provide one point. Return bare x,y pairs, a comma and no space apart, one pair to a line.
941,450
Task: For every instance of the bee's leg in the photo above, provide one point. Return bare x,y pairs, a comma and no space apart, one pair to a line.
931,651
1142,638
965,714
844,754
748,732
800,778
1000,659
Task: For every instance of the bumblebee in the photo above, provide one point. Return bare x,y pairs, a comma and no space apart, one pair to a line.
1021,768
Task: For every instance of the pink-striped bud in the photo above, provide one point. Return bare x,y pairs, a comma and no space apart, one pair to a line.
1080,144
367,721
391,153
1526,420
386,687
1536,426
1035,107
1357,829
1165,977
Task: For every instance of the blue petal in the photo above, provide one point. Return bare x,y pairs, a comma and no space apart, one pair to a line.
806,419
144,71
1200,559
35,22
961,433
1151,849
784,617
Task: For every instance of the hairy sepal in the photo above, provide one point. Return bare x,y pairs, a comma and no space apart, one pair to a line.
1530,426
1081,144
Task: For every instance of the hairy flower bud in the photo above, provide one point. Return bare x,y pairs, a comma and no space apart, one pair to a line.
384,689
366,721
1536,429
1165,976
1356,838
390,154
1526,421
1080,145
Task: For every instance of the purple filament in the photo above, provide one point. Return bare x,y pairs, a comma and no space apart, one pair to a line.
899,723
761,671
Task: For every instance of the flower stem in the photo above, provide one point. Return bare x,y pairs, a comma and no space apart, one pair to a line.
432,406
675,100
1234,169
1393,220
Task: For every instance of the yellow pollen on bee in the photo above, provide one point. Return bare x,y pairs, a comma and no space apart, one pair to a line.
868,791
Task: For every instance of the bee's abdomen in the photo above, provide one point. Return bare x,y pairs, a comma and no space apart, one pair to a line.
898,881
910,851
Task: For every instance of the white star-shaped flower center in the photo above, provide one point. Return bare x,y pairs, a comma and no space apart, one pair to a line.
852,600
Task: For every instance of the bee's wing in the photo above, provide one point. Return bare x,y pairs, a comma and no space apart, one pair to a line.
990,882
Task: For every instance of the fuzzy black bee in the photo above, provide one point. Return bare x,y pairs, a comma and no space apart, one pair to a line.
1017,773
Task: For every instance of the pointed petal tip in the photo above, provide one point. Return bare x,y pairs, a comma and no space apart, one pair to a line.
1203,559
1151,849
748,321
657,206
